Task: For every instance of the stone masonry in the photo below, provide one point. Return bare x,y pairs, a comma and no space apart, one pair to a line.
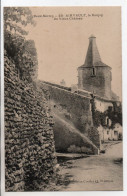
73,108
29,140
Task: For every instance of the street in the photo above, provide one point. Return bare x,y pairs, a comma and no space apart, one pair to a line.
97,172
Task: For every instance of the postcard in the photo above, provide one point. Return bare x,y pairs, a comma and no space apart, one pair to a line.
63,124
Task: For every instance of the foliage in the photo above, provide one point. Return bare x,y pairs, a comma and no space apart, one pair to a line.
22,51
98,117
17,18
113,113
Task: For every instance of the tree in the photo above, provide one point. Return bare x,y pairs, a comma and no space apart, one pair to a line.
21,51
17,18
116,114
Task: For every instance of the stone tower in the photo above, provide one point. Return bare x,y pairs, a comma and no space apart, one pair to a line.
94,75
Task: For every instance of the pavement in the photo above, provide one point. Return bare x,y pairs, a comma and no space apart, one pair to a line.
102,172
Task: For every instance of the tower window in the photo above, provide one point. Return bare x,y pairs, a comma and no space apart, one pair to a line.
93,72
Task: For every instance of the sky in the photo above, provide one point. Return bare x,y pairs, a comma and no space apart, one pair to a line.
62,44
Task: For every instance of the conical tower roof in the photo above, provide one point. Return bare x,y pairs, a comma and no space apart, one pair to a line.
93,57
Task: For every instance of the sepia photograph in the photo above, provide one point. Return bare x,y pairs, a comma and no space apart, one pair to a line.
63,127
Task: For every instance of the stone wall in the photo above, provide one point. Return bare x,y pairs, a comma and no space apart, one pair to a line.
69,139
82,111
29,140
77,107
76,111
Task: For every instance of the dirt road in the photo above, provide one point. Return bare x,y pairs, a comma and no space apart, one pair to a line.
97,172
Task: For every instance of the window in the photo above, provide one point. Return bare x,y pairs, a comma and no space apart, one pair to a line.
93,72
108,121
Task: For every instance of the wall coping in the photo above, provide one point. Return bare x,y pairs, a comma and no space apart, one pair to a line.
73,93
68,89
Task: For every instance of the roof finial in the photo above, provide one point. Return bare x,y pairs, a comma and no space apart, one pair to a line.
92,36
